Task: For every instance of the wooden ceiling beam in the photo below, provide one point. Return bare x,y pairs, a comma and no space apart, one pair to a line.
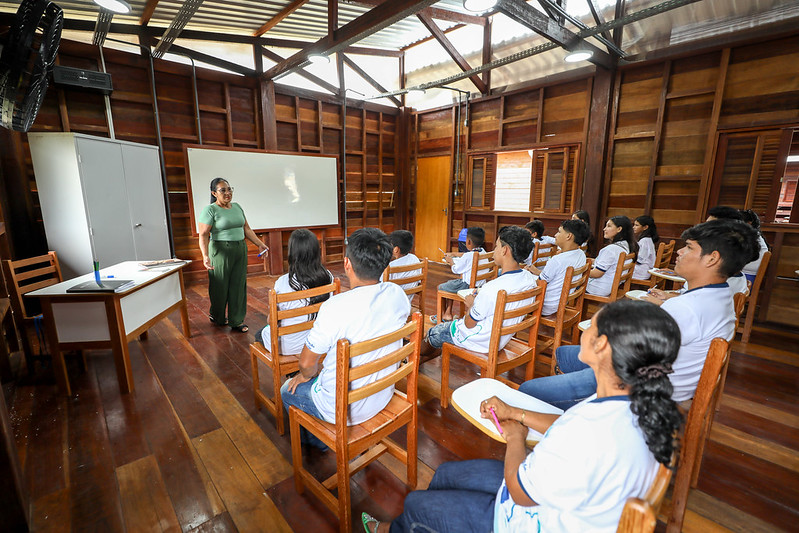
454,16
211,60
370,22
282,14
453,53
370,80
147,14
430,38
332,16
307,75
598,18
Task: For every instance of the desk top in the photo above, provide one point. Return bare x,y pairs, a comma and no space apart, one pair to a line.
130,270
667,274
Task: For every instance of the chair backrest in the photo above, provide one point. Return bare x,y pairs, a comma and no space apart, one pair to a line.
700,416
483,268
542,252
640,515
754,292
530,314
406,359
27,275
664,255
419,275
276,316
739,302
623,276
574,285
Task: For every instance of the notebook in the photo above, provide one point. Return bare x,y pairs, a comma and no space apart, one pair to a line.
466,400
106,285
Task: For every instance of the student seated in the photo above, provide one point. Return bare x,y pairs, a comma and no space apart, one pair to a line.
305,272
619,231
462,264
369,309
473,331
750,269
713,250
591,459
402,256
536,230
571,234
737,281
646,232
582,215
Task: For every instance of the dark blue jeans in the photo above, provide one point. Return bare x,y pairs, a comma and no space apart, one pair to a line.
301,399
564,390
460,498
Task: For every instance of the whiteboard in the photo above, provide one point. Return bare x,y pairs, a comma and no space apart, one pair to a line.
275,190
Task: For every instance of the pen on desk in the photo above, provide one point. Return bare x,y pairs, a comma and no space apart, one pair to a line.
496,421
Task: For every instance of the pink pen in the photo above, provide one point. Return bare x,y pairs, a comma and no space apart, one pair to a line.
496,421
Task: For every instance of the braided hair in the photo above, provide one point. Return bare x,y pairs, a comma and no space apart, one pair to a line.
645,340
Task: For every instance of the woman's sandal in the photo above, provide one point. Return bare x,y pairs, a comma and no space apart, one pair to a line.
217,323
243,328
365,519
434,319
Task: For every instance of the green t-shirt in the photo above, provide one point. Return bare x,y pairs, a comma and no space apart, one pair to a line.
226,224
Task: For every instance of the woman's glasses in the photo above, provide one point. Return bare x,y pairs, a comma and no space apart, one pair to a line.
224,190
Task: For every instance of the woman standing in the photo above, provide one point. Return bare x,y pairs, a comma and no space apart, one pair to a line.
223,228
592,458
619,231
647,234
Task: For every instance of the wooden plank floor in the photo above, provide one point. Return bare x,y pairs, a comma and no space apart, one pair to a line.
189,451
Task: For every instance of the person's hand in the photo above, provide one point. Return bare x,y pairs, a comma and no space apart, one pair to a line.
469,300
657,293
501,409
207,263
651,299
263,250
511,430
296,381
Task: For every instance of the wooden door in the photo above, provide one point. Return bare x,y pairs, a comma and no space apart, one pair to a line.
432,201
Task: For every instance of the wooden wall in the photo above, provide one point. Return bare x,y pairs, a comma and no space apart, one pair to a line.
235,111
663,150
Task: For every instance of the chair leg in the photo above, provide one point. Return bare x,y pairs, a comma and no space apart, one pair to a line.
411,449
530,371
296,451
439,308
344,504
444,399
555,344
256,381
748,321
278,399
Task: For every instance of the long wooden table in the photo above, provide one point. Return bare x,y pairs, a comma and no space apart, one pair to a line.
76,321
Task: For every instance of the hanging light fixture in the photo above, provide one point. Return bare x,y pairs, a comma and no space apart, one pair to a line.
115,6
577,54
479,6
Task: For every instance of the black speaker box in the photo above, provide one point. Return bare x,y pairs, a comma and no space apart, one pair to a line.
84,79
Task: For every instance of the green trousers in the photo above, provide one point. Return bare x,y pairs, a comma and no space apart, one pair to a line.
227,282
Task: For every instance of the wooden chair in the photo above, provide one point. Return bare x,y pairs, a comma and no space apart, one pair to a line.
516,353
542,252
357,446
570,309
700,418
739,302
419,276
662,260
754,292
640,514
24,276
282,365
483,269
620,286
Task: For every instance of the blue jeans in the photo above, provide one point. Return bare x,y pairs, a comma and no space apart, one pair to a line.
564,390
453,285
439,334
301,399
460,498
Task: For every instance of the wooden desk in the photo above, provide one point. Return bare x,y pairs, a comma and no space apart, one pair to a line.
76,321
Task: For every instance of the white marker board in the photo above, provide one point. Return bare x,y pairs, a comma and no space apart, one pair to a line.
275,190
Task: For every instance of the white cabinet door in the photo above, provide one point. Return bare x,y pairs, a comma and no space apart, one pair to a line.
102,174
146,201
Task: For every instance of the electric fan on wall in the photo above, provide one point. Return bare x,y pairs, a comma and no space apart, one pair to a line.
27,58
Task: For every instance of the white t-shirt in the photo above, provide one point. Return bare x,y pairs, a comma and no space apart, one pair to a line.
357,315
645,259
606,261
702,315
463,265
554,273
738,283
546,239
751,268
478,337
589,462
405,260
292,343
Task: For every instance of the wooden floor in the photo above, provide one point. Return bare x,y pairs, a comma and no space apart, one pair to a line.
188,451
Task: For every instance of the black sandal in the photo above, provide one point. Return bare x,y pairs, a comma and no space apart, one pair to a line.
243,328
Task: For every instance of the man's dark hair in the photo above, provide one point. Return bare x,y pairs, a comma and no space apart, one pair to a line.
369,252
537,227
724,212
519,241
402,239
734,240
579,229
478,236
